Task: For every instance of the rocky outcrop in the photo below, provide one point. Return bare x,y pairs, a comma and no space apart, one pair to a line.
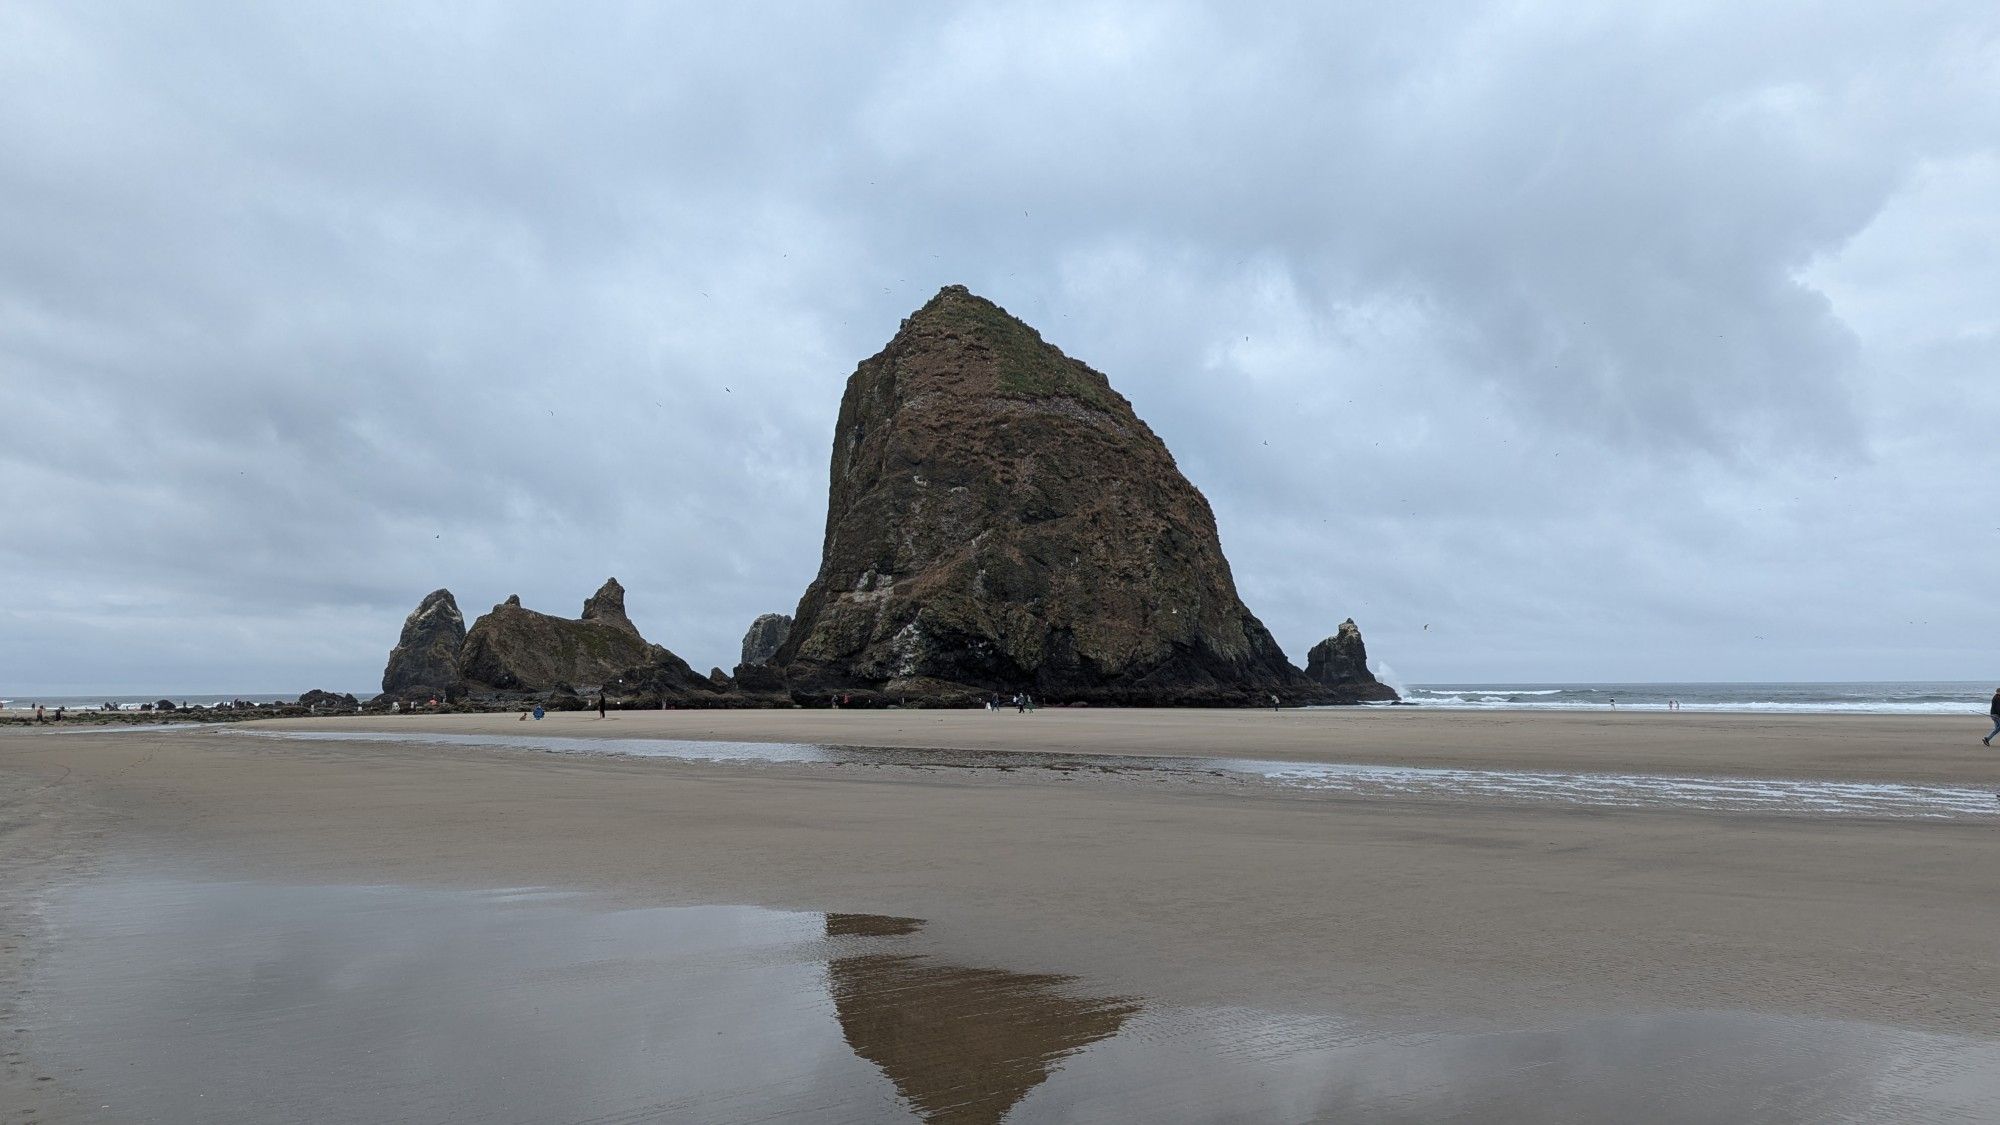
1340,664
514,649
425,661
1000,519
323,701
668,681
767,634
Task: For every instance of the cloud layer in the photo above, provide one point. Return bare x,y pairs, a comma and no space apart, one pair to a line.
1647,342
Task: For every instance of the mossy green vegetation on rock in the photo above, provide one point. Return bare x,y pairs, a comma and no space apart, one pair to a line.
514,649
1024,363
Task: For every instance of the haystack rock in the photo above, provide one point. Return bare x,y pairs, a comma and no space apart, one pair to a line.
1340,663
519,650
425,661
1000,519
767,634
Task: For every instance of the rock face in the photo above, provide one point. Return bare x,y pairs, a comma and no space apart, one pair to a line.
519,650
1000,519
317,700
607,607
767,634
425,660
1340,663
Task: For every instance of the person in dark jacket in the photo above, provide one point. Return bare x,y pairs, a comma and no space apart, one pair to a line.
1995,712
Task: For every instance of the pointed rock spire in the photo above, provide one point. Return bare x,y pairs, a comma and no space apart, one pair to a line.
1340,662
608,606
766,635
425,660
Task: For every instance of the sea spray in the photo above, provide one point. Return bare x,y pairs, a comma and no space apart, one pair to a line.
1388,676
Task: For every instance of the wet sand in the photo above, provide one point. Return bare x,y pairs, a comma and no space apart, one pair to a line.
1859,747
1157,918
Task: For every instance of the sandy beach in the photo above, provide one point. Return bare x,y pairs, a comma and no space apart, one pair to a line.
1161,890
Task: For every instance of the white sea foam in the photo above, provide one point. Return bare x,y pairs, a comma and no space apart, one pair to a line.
1496,701
1905,698
1719,794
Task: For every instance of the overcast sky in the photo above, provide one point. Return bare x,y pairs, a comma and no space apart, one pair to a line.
1627,341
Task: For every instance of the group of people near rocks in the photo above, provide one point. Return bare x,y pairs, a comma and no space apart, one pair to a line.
1023,703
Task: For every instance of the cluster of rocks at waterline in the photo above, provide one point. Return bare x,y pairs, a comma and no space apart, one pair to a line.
513,653
314,702
999,519
513,648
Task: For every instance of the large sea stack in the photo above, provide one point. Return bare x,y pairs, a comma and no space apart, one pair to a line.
425,661
999,519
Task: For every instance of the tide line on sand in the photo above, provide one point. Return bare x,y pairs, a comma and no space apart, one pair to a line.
1796,796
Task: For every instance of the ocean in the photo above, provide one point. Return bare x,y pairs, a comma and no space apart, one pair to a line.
1947,697
132,702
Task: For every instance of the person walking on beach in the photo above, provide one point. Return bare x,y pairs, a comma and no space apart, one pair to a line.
1995,712
600,703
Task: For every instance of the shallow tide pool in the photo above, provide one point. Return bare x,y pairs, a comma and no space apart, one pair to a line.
186,1000
1794,796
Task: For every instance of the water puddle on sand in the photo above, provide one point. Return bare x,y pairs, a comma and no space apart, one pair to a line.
1794,796
190,1001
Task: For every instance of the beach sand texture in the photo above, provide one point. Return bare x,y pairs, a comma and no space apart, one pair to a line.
1098,920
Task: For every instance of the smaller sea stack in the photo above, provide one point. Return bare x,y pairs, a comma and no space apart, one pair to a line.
425,661
1340,664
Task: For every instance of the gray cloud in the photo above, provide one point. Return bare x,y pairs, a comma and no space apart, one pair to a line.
1655,342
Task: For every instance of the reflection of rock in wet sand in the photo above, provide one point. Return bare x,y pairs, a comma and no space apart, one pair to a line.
962,1045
